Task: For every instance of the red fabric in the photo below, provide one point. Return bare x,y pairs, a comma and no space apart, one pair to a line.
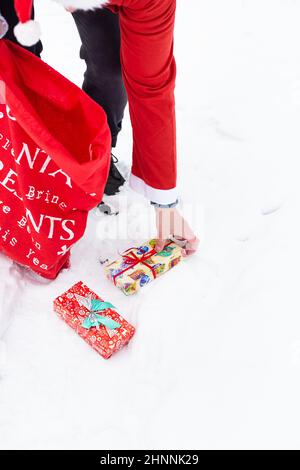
149,70
23,9
54,161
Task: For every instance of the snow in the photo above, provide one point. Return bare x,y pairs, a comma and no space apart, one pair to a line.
215,362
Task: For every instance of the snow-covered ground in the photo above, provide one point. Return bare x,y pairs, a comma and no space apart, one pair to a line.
215,362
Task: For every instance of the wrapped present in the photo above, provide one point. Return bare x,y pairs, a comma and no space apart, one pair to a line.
140,265
94,320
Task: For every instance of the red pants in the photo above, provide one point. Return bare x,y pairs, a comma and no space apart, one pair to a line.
149,72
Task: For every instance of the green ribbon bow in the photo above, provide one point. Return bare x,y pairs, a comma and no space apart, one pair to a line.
94,319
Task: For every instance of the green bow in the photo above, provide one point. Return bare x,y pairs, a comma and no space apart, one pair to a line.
94,319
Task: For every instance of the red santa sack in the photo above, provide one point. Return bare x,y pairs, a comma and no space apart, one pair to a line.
54,161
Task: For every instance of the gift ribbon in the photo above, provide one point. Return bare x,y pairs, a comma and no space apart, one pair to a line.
95,320
132,259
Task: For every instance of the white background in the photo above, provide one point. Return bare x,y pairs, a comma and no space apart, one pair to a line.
215,361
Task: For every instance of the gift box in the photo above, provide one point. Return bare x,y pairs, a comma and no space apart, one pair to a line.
140,265
94,320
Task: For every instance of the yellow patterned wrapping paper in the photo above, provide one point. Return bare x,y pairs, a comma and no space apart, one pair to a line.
140,265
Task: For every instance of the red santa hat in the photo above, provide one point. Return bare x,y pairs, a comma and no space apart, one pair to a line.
27,31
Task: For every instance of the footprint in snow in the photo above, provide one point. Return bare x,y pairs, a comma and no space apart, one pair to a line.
271,207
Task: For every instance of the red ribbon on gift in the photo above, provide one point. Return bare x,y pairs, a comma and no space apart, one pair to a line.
133,260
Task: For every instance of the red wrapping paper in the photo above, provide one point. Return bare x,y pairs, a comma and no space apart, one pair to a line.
105,341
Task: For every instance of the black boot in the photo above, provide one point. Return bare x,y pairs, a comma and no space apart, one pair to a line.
115,179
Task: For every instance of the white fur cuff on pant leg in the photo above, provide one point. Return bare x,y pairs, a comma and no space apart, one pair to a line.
83,4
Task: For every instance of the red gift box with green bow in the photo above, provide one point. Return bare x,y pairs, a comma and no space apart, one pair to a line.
95,321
